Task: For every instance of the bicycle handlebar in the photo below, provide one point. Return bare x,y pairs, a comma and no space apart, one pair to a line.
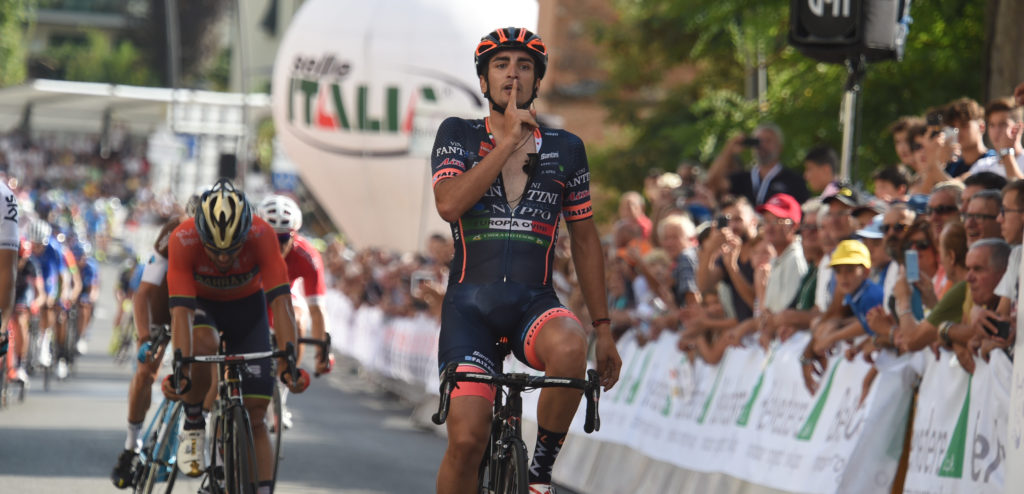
159,335
233,359
325,348
522,382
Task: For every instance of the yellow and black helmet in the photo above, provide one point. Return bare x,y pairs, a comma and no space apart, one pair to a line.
223,217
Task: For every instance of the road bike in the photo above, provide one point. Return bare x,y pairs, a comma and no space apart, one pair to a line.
157,460
504,467
232,453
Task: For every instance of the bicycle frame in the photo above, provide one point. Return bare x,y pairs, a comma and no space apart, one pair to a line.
504,458
229,404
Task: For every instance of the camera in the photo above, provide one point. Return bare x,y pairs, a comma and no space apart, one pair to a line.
1002,327
751,142
419,276
721,221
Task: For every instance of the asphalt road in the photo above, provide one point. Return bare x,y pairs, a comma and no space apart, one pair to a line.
349,437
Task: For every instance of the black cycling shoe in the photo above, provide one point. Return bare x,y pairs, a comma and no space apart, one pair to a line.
124,472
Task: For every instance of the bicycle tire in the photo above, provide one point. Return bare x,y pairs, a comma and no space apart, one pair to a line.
145,478
240,470
217,441
511,471
4,382
276,409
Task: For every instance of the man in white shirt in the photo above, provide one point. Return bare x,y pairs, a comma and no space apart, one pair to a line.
1011,222
781,221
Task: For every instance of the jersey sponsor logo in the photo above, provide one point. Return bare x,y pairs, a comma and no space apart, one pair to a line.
543,197
11,210
579,180
226,282
578,196
549,156
514,236
187,237
520,225
495,191
453,162
543,214
451,149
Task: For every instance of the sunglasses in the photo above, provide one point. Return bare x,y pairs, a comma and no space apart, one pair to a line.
979,216
896,228
283,238
919,245
940,210
226,252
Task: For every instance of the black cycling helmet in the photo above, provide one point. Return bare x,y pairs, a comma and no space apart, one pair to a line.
509,38
224,217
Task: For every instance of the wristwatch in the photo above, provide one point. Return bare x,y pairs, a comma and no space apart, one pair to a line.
1007,151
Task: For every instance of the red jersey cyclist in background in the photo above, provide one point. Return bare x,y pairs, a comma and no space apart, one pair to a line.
303,261
223,267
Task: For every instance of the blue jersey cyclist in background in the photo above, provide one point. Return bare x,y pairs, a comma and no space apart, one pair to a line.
502,182
89,271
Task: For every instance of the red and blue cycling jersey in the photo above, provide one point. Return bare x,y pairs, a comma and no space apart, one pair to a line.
191,274
494,241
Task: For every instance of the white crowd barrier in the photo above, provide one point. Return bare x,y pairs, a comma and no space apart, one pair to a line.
749,424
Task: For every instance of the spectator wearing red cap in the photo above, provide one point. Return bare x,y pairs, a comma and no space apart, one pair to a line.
782,215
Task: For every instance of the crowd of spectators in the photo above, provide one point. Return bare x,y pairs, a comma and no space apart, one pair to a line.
731,256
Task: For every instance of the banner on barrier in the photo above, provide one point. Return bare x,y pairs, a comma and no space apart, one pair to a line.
751,416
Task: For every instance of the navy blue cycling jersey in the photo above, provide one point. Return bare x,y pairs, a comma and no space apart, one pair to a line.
90,273
494,241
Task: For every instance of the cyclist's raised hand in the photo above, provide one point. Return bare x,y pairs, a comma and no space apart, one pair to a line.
608,360
519,123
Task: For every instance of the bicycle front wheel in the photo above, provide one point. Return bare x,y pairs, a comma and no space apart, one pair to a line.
240,457
509,467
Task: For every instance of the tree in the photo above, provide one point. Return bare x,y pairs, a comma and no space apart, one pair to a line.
669,119
198,36
98,61
13,53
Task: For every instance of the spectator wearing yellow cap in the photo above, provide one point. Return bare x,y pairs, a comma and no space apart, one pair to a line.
851,263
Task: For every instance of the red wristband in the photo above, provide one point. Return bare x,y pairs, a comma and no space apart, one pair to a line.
598,322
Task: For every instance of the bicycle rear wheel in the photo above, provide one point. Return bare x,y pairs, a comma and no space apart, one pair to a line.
275,420
240,455
510,468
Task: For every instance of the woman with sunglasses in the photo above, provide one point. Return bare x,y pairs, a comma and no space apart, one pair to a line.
909,334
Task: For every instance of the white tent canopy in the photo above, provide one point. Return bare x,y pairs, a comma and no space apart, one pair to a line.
85,107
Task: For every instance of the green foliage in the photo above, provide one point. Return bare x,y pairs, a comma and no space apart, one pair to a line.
668,118
98,61
13,52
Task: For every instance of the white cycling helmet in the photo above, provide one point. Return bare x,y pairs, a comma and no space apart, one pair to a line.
282,213
39,231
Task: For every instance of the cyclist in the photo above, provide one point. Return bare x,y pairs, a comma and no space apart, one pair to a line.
128,280
29,296
149,307
70,288
501,183
47,257
223,267
303,261
8,259
89,271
